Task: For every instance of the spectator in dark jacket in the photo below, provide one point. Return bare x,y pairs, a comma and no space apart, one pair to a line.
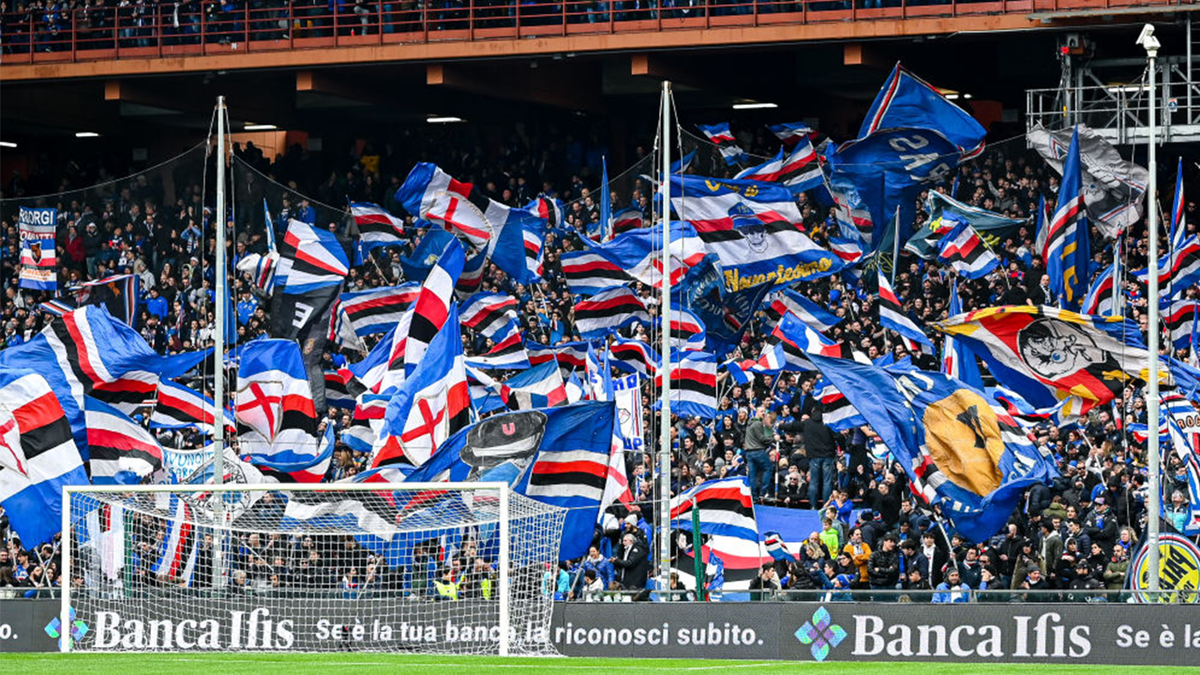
883,568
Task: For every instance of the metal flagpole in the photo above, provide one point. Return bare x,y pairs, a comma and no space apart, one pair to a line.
219,350
1151,45
664,451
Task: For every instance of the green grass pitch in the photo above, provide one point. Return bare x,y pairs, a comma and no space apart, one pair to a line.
397,664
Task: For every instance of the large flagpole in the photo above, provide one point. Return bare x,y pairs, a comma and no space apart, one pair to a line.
219,346
664,450
1150,44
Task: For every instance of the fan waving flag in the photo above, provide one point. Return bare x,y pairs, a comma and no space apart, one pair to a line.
118,293
945,212
638,254
726,144
725,506
893,316
753,230
693,384
627,220
122,452
961,452
964,251
633,356
1068,249
1179,317
958,361
39,258
489,314
364,313
433,402
687,330
37,456
1099,298
1177,270
812,314
607,311
1047,354
538,387
589,272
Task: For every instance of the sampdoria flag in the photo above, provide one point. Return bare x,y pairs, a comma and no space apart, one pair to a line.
538,387
1047,354
37,456
964,251
613,308
893,316
632,356
809,312
958,361
588,272
907,102
118,293
178,407
945,212
725,506
376,227
489,314
961,452
693,384
1178,231
638,254
798,170
753,229
1067,247
430,405
122,451
726,144
273,402
362,313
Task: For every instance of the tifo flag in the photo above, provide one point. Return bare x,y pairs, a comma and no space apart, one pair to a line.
273,401
122,452
37,456
298,467
337,392
484,226
1178,232
1113,188
119,293
753,229
693,384
558,456
961,453
893,316
907,101
727,145
791,342
489,314
376,227
627,220
1068,249
791,133
1099,298
633,356
726,314
838,413
687,330
87,349
570,355
1179,317
588,272
538,387
809,312
945,212
364,313
964,251
638,254
609,310
433,402
725,506
39,258
1177,270
798,171
1047,354
178,407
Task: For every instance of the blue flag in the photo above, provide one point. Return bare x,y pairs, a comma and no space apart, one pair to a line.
605,203
1068,248
961,452
945,213
726,314
906,100
958,361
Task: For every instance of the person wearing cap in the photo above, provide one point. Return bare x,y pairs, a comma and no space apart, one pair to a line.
952,589
1084,583
1034,582
1101,525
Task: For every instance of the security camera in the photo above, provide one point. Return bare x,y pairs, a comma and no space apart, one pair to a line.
1147,40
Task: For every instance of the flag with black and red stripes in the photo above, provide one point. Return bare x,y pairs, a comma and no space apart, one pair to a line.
613,308
121,451
725,505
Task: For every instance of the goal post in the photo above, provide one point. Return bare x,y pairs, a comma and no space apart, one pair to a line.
456,568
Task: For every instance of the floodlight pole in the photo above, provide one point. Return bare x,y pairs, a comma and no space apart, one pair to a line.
1151,45
219,319
664,451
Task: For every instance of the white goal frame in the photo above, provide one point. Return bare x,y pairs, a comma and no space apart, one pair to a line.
504,491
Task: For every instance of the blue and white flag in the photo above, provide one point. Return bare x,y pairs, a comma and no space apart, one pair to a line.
726,144
39,257
1068,249
958,361
907,101
945,212
961,452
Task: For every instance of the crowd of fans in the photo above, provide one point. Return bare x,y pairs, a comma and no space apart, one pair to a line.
1073,535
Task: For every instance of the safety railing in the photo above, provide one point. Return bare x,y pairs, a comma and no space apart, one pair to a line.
152,30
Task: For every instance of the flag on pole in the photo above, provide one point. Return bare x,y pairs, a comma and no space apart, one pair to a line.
121,451
1068,249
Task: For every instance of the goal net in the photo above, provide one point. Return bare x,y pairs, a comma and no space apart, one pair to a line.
437,568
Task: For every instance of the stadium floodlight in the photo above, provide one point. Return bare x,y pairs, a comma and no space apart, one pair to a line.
438,568
7,144
754,106
259,127
443,119
86,134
